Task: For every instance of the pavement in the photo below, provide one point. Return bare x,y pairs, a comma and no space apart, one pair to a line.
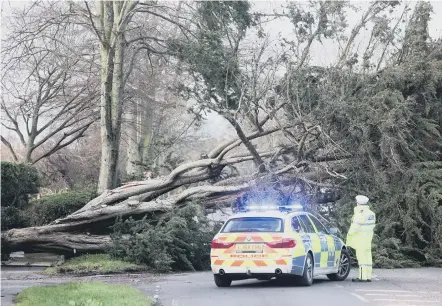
390,287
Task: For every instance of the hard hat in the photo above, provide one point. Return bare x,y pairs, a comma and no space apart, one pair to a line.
362,200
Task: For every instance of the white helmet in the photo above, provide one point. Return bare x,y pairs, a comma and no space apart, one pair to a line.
362,200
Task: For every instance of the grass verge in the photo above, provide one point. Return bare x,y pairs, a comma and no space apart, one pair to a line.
94,264
82,294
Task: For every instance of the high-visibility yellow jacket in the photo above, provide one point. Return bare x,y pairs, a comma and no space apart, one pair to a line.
362,226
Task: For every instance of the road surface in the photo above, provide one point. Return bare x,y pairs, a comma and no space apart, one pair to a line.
391,287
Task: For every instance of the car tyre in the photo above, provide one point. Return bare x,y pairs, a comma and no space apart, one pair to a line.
222,281
307,277
344,267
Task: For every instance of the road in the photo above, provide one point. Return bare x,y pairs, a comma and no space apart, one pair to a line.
391,287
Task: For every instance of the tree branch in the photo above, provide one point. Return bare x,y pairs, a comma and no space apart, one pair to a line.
14,122
59,145
258,160
8,144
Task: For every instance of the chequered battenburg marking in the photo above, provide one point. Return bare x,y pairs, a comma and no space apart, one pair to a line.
331,252
298,265
323,241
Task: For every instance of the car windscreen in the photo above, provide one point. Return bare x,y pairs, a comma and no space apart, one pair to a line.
253,224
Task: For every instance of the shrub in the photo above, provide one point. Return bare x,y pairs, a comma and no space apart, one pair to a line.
51,207
178,241
18,182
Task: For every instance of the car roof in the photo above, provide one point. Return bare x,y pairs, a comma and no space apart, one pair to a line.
271,214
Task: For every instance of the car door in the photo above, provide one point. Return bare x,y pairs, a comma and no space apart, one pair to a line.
311,239
328,257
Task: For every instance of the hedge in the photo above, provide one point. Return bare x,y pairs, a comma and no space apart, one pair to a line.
51,207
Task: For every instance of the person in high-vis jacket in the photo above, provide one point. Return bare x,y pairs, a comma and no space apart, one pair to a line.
360,235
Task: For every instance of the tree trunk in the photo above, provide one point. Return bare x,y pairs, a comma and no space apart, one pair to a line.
140,131
133,138
112,60
43,239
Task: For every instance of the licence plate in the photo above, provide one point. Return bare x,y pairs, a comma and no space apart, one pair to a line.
249,248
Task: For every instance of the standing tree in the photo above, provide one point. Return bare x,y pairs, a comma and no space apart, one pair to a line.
49,92
122,37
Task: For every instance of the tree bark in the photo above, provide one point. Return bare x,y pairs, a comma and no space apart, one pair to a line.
43,239
112,51
133,153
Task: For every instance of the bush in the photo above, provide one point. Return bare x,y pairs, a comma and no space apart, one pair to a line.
177,242
49,208
18,182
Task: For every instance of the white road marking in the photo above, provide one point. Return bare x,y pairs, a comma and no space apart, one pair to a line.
339,286
376,294
398,295
404,301
174,302
359,297
381,290
401,305
430,292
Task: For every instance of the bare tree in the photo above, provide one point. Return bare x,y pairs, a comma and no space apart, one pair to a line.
122,38
151,86
49,92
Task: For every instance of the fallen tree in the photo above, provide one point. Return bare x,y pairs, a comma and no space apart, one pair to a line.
87,229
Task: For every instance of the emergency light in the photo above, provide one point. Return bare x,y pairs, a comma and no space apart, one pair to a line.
247,203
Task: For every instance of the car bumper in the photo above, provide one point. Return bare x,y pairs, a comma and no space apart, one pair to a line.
250,271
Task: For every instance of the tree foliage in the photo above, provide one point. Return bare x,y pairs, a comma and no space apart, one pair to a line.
178,241
389,122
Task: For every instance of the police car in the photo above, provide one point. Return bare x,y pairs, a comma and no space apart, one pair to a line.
267,242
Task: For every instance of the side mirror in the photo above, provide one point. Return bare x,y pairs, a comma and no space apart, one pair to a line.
333,230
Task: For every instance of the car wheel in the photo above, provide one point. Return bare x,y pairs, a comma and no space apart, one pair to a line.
344,267
222,281
307,277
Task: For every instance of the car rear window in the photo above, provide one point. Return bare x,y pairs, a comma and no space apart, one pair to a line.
253,224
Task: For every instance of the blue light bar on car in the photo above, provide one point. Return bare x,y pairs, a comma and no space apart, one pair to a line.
262,202
263,208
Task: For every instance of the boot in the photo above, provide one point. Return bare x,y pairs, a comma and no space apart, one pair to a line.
357,280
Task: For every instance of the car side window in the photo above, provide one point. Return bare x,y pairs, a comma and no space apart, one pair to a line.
319,226
296,225
306,224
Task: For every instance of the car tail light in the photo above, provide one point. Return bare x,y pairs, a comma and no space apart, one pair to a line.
285,243
218,244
